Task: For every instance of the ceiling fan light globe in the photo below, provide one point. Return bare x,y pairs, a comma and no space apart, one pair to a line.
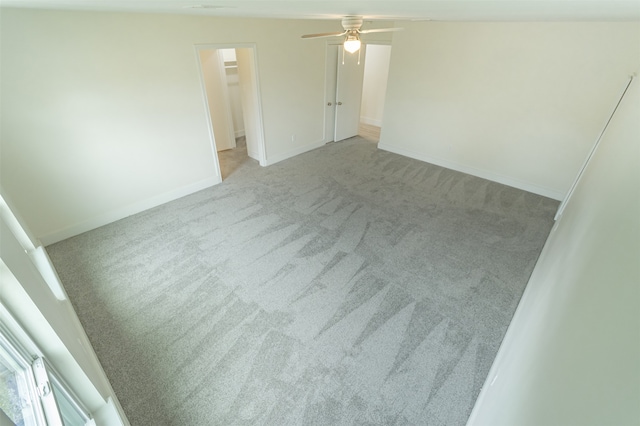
352,45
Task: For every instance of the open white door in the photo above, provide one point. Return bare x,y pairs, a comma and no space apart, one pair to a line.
349,93
330,86
215,81
249,94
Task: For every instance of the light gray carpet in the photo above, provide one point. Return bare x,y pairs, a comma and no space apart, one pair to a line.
347,286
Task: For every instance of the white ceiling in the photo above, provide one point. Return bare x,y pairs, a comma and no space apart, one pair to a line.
437,10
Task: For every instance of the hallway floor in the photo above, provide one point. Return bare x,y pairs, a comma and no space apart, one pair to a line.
369,132
232,159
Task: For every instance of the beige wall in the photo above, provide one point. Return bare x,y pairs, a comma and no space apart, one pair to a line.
571,355
520,103
103,113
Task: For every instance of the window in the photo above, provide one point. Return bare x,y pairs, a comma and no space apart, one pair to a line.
17,386
31,392
71,412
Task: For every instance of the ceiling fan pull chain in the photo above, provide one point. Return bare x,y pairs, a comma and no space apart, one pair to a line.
359,52
342,55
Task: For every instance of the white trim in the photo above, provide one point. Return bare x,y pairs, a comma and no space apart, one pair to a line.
566,199
485,174
212,138
17,344
239,133
293,152
111,414
41,260
371,121
17,336
131,209
56,378
253,155
379,42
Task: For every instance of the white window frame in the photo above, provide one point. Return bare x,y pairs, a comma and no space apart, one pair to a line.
42,409
31,412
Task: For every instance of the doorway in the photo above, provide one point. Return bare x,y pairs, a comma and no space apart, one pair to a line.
355,88
230,86
374,90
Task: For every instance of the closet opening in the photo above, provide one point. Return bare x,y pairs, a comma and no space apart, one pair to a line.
230,85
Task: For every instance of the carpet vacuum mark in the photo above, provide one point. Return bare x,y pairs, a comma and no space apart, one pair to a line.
344,286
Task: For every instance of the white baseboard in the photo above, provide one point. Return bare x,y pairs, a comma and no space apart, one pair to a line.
111,414
121,213
239,133
253,154
292,153
485,174
371,121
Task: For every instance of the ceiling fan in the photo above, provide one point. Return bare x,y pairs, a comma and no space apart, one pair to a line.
352,31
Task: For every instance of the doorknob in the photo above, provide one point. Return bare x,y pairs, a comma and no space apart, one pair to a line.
329,104
339,103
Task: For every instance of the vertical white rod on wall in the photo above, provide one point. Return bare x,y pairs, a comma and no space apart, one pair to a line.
593,150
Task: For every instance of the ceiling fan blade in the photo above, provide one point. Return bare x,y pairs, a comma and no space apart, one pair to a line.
335,34
380,30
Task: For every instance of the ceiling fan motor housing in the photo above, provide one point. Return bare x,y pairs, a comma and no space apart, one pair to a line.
350,23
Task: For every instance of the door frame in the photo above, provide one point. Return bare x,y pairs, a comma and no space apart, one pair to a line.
256,80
